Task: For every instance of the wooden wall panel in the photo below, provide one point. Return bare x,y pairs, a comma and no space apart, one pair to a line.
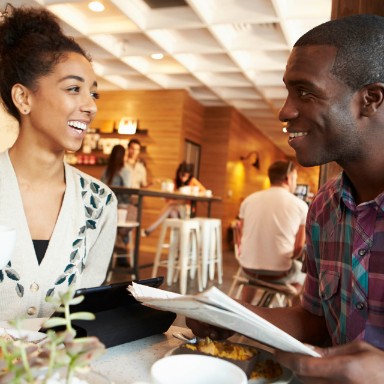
224,136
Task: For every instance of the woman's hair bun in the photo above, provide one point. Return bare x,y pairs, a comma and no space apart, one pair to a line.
20,24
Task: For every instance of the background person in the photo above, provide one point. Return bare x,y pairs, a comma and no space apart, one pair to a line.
65,220
116,173
137,170
177,208
334,112
273,230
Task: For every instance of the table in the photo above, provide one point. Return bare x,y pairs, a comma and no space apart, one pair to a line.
141,193
131,362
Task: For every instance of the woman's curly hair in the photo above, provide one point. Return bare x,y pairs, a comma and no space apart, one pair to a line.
31,44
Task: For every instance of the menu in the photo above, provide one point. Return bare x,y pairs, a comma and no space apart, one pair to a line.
215,307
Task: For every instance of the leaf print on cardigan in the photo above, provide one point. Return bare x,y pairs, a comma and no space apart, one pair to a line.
11,274
95,198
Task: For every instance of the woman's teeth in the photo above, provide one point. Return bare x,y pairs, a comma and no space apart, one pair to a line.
78,125
292,135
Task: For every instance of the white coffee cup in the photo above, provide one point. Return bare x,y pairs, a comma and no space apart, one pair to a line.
208,193
7,244
196,369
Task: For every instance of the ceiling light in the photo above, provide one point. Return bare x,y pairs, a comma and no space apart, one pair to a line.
96,6
157,56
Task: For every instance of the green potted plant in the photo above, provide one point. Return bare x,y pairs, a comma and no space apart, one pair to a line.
60,358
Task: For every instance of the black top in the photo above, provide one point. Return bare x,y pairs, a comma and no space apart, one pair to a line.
40,249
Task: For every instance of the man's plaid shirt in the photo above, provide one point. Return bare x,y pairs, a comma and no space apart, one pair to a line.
345,263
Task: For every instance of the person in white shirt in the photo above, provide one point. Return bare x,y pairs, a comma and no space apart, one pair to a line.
273,230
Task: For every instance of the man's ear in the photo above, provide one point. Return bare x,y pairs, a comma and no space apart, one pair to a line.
21,98
372,98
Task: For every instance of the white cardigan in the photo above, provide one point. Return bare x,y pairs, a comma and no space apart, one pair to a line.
79,250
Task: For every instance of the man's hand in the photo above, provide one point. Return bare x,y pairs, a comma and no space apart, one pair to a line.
203,330
353,363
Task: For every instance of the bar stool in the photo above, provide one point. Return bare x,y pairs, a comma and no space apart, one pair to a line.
211,249
127,251
183,246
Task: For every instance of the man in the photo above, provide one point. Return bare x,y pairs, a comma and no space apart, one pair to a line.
334,112
273,230
137,170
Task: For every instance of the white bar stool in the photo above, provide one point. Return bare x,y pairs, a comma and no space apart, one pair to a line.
211,249
183,246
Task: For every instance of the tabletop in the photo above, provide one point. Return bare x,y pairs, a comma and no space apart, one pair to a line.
131,362
168,195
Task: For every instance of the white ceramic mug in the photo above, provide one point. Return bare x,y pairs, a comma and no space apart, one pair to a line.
7,244
196,369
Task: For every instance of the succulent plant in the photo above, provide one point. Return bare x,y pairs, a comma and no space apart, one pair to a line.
60,351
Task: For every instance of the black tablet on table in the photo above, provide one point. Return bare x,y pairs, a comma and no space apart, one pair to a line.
120,318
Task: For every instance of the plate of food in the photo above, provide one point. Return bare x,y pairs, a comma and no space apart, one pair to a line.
260,366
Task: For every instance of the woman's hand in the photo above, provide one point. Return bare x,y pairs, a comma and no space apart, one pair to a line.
203,330
353,363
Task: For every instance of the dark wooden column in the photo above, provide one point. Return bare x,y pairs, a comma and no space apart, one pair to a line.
341,8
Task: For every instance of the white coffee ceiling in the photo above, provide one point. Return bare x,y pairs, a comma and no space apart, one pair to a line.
224,52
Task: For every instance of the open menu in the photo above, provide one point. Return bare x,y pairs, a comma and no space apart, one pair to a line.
215,307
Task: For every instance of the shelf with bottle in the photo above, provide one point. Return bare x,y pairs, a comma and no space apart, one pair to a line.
97,147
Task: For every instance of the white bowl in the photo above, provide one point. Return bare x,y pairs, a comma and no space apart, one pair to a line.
196,369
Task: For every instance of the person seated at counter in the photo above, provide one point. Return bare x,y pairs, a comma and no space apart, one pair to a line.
272,225
176,208
65,220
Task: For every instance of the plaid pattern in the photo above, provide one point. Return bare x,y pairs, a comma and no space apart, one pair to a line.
345,263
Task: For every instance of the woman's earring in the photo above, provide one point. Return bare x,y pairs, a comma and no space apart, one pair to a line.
26,111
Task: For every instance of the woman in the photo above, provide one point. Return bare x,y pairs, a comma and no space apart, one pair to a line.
175,208
65,220
116,173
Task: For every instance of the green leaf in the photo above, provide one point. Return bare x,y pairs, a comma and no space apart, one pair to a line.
76,300
91,224
69,267
92,201
95,187
109,199
82,230
82,316
12,274
77,242
61,279
88,211
72,279
19,290
54,322
1,276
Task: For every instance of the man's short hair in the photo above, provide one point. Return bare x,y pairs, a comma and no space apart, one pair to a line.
359,40
133,141
279,170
